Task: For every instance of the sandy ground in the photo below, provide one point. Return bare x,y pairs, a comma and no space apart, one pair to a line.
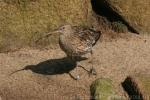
45,76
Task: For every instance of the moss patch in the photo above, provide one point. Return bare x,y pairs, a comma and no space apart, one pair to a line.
103,89
119,27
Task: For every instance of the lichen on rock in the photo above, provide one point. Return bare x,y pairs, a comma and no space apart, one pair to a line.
26,20
103,89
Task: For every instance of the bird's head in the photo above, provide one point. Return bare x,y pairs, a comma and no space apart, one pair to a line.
64,29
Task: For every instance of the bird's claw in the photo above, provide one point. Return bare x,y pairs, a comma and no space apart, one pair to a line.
77,77
92,71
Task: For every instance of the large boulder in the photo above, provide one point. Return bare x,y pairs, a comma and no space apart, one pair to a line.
137,86
103,89
135,12
23,21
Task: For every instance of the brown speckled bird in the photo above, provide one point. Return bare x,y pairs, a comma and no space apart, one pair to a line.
76,41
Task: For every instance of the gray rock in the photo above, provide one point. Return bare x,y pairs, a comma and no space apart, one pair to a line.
135,12
24,21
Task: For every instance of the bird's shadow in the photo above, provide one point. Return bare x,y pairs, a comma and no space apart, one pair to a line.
52,66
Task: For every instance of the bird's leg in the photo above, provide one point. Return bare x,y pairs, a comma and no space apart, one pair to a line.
77,77
83,68
92,70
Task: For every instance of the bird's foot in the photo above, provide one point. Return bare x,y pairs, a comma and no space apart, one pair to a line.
77,77
92,72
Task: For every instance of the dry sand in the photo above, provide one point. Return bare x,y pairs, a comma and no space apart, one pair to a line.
115,57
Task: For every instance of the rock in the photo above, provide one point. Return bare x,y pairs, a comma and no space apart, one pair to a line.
103,89
137,87
135,12
23,21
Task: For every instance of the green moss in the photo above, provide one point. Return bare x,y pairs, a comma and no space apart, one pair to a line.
102,89
119,27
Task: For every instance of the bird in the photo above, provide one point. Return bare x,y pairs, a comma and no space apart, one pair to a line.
77,41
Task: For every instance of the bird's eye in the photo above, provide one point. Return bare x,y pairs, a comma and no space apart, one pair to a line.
62,28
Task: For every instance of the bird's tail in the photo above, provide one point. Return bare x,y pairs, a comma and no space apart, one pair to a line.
96,35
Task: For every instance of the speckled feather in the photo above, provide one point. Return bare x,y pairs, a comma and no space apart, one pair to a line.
78,41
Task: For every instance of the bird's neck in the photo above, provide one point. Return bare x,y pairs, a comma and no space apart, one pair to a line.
67,33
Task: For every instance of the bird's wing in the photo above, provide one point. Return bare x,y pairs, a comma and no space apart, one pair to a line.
80,45
88,34
94,34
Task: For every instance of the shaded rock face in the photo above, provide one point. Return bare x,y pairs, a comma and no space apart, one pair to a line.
23,21
137,87
135,12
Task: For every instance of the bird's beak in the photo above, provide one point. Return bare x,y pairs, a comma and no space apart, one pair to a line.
50,33
56,31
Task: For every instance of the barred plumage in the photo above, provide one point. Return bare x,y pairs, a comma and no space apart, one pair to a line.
77,41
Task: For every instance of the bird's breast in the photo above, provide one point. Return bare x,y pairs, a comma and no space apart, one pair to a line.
65,45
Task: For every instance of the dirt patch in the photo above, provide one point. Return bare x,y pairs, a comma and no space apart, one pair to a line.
115,57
